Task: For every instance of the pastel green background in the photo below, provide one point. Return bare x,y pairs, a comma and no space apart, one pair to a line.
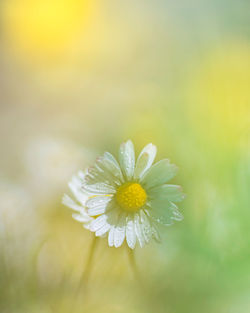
76,79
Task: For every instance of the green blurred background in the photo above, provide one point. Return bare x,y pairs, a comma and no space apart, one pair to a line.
78,77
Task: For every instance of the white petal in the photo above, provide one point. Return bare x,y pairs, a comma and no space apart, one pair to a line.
99,188
177,216
169,192
110,223
127,158
98,201
138,231
145,160
164,211
113,214
112,159
76,182
105,174
119,234
81,175
111,236
154,228
109,163
98,205
66,200
81,218
98,175
78,192
155,232
102,231
87,224
145,226
96,211
130,233
98,222
159,174
75,186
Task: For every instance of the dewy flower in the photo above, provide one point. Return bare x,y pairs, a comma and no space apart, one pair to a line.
126,200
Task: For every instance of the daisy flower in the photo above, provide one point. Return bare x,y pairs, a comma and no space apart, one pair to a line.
126,200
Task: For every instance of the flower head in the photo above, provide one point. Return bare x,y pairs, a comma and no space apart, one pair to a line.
126,199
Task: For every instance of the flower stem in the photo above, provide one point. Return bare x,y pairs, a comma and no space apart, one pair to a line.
86,273
133,264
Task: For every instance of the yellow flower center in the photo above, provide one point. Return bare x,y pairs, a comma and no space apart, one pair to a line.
131,196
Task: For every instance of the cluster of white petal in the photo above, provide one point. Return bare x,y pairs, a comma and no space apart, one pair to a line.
95,192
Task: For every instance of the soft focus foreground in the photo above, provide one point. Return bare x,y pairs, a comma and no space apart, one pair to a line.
77,78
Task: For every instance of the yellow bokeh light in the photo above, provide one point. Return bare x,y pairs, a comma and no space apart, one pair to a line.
44,28
219,94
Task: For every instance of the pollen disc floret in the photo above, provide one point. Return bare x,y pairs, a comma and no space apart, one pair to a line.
131,196
125,198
